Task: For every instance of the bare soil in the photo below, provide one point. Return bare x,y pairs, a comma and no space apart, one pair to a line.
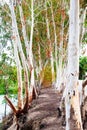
43,114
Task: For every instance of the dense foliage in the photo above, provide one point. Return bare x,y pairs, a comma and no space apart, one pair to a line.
82,67
8,74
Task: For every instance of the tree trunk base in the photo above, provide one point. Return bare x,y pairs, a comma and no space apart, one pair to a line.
84,113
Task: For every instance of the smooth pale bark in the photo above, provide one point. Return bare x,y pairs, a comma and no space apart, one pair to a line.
55,37
60,64
37,71
42,73
50,44
40,63
19,69
18,64
39,66
24,34
20,50
60,79
31,41
32,78
72,96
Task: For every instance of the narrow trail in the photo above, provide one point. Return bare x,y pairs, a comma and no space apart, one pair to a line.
43,114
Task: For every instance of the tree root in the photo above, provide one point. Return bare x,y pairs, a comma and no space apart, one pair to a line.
19,113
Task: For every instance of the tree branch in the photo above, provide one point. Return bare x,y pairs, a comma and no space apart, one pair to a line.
10,104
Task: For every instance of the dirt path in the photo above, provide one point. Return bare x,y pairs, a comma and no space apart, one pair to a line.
45,111
43,114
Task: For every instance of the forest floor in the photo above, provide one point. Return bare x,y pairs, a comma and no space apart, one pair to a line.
43,114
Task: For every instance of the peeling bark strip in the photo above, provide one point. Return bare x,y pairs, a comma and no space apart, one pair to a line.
72,104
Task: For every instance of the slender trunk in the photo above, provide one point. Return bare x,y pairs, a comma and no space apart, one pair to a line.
19,46
40,65
39,53
31,42
55,37
37,71
73,114
19,76
59,79
50,44
5,111
32,78
18,64
24,34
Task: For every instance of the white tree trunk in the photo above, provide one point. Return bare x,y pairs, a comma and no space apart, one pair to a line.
59,78
72,96
19,46
40,63
19,69
24,34
50,44
32,78
55,37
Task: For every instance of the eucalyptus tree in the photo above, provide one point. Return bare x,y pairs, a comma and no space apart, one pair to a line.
59,78
18,49
28,44
24,60
72,103
49,43
55,36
